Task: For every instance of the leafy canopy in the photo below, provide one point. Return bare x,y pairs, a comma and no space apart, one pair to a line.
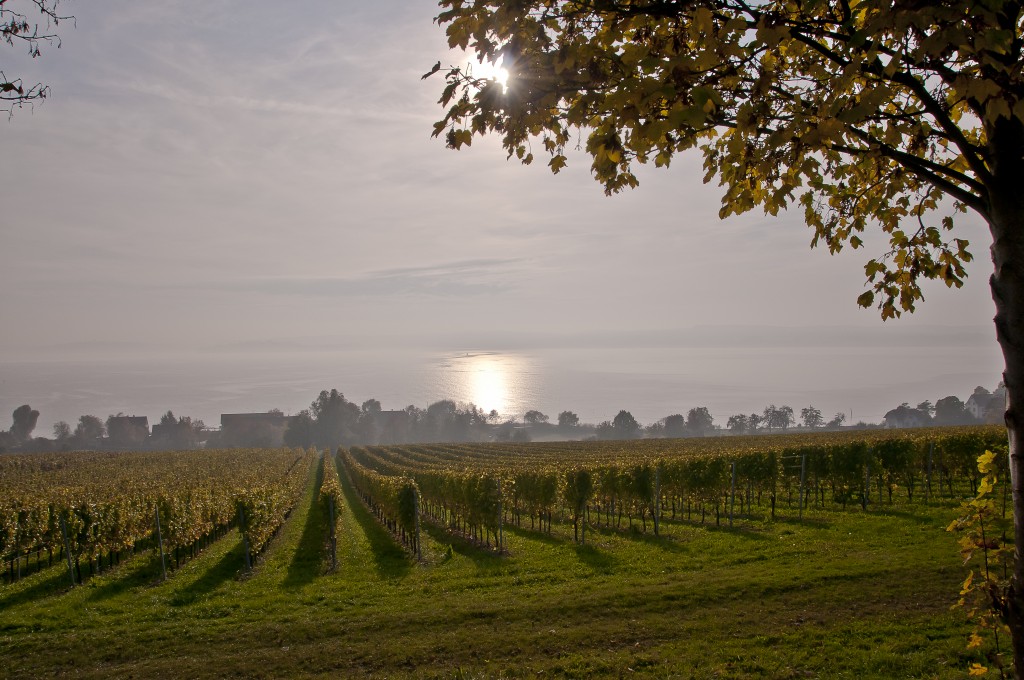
862,113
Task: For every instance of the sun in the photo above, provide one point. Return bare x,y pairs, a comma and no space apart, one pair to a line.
491,70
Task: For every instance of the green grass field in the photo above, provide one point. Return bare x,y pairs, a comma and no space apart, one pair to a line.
839,595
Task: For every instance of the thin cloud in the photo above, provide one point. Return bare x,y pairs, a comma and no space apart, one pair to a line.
463,278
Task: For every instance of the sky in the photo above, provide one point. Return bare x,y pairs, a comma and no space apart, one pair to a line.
211,178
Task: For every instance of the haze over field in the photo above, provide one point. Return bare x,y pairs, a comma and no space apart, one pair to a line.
219,192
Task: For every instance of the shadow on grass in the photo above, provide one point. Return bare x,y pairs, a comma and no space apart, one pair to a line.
904,514
534,535
390,559
142,571
637,535
816,522
307,559
484,558
225,570
56,583
599,562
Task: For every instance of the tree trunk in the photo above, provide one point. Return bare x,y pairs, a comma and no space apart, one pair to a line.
1006,222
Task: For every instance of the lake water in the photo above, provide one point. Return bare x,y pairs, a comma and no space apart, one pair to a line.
595,383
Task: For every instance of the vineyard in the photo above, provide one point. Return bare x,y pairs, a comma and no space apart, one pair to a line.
475,489
719,557
93,507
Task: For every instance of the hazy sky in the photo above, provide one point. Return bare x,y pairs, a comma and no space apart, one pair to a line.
222,175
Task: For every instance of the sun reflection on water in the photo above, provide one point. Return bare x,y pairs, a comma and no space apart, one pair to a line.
489,380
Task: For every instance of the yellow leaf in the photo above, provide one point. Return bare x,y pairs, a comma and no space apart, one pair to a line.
975,641
977,669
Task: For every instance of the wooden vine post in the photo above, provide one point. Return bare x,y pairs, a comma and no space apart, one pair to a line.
245,539
657,499
160,544
803,477
334,535
67,549
928,485
732,493
867,486
501,519
416,506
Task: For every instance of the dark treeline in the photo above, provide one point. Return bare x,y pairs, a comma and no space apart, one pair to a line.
332,420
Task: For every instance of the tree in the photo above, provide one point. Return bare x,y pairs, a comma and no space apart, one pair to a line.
699,421
61,431
335,417
22,27
301,430
605,430
837,421
25,419
811,417
895,115
534,418
625,426
777,417
927,407
184,433
88,432
951,411
737,424
675,426
655,430
567,420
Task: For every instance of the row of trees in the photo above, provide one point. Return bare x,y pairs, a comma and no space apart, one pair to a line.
982,407
332,420
698,422
91,433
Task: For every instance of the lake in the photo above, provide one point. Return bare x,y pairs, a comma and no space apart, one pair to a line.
651,383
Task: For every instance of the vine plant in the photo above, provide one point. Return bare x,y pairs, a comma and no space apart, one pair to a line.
986,592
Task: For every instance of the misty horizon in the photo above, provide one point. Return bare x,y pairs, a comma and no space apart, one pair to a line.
235,242
593,383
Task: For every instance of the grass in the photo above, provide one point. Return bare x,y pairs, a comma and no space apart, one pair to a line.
840,595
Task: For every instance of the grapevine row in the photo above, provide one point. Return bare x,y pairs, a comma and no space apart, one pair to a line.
330,501
394,500
477,487
84,506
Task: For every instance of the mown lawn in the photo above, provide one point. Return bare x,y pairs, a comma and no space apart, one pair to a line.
839,595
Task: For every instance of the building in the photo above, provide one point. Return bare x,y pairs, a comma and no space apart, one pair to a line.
127,431
905,416
253,429
985,405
